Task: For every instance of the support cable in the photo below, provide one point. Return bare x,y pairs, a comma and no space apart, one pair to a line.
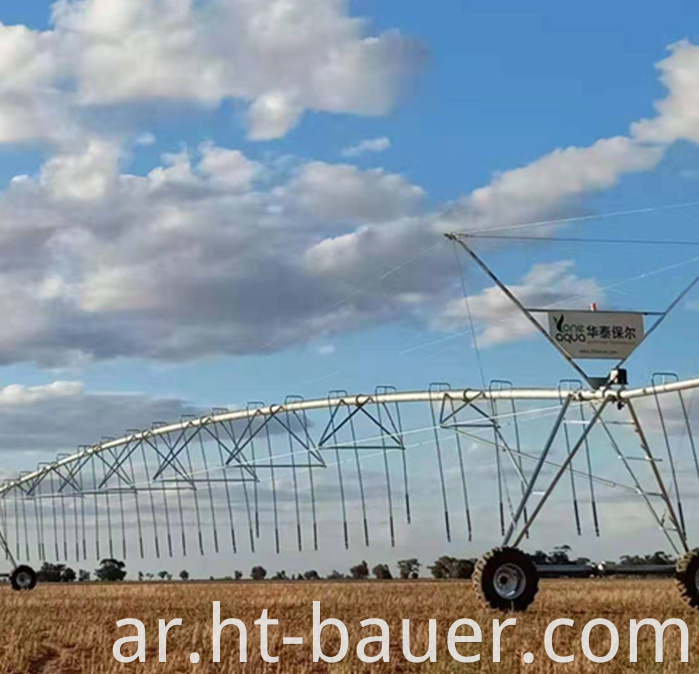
591,482
55,519
253,454
573,488
275,505
26,529
109,514
518,446
303,420
197,511
464,487
389,493
246,497
671,461
18,543
156,538
166,508
498,467
341,483
38,508
209,486
472,327
231,517
360,477
440,466
139,524
96,500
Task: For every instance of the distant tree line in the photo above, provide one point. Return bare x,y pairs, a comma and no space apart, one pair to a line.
561,556
446,567
110,570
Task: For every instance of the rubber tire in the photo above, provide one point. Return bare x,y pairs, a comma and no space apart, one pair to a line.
17,572
484,579
686,578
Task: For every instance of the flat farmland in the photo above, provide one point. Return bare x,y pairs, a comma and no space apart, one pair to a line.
72,628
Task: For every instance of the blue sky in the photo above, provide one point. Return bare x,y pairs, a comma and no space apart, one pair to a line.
500,87
186,230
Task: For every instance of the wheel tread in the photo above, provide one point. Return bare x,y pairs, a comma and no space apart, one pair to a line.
23,569
687,567
521,603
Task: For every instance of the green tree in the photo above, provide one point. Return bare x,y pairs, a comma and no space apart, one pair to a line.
540,558
463,568
440,568
452,567
56,573
51,573
409,568
661,558
560,555
258,573
382,572
184,574
111,570
360,572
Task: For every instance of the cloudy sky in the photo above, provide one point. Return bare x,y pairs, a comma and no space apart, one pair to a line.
205,203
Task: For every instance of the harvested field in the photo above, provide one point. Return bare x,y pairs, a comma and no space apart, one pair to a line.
71,629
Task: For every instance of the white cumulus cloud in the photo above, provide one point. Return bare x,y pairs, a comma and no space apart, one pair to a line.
678,112
278,57
212,252
343,192
62,415
544,286
374,145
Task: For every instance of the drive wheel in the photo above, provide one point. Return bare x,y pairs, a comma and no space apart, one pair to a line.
687,578
23,578
506,579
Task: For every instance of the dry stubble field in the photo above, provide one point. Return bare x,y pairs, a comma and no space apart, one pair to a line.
71,629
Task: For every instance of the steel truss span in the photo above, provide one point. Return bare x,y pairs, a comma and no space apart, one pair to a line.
357,469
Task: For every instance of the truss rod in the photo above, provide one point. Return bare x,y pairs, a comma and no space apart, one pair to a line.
537,471
351,403
671,460
641,492
515,300
464,485
231,517
340,479
658,477
442,483
566,464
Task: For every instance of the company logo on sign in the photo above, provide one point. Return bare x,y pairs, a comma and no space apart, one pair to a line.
591,334
570,332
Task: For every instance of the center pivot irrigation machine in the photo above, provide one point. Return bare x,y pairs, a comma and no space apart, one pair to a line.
265,475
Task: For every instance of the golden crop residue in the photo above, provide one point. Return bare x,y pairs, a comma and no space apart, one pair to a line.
71,629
